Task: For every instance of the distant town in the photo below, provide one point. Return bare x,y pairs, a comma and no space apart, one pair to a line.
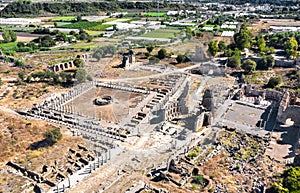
150,96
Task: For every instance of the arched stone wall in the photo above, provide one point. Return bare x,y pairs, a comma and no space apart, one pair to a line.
292,112
68,65
172,111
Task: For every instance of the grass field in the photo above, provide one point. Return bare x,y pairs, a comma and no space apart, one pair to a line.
162,33
79,45
154,14
209,25
109,19
8,46
93,26
122,20
18,29
59,24
63,18
93,33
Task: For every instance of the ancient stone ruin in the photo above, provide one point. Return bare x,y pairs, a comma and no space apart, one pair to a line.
100,101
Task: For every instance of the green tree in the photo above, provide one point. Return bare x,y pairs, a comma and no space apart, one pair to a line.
222,46
101,52
19,63
79,63
21,75
153,59
213,47
270,61
236,52
98,54
109,50
278,188
6,36
29,78
249,66
45,41
234,61
52,136
149,48
274,81
261,44
292,179
115,27
81,75
13,35
65,77
89,77
228,52
162,53
83,35
290,183
199,180
291,47
61,37
243,38
78,18
180,58
265,62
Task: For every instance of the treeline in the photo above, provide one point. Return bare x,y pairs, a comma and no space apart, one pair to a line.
21,9
44,43
254,2
51,78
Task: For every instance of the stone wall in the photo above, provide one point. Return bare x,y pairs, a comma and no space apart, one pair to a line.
67,65
288,109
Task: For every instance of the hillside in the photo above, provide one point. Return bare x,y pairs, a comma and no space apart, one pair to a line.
22,9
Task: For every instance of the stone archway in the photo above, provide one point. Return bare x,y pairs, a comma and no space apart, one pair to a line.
61,66
291,113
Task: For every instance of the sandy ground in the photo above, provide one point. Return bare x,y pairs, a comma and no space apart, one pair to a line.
24,37
114,112
283,143
281,22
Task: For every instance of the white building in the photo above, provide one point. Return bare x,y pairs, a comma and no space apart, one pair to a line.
283,29
227,34
19,21
124,26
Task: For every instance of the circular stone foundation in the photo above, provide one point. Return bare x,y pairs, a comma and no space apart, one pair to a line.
101,101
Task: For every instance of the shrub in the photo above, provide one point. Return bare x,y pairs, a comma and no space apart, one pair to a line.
234,61
162,53
52,136
199,179
19,63
274,81
180,58
249,66
153,59
89,77
192,154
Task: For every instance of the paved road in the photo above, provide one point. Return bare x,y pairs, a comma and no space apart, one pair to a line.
9,79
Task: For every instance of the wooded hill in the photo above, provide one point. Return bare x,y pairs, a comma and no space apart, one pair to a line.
26,8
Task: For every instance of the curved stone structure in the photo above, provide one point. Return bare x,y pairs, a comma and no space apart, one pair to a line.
292,112
288,108
101,101
173,110
67,65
